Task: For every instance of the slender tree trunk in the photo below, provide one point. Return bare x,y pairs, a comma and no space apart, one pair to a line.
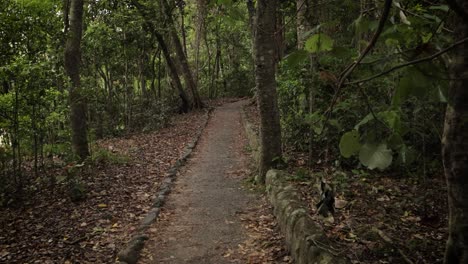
270,130
186,72
159,75
78,104
303,24
182,26
199,34
455,150
251,12
167,55
173,72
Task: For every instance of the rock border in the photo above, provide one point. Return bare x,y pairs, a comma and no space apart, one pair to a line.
131,252
305,238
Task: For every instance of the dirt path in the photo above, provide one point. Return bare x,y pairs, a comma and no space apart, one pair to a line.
203,213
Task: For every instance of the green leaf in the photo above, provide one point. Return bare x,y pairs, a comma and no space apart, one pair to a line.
392,119
296,58
375,156
413,83
349,143
364,121
318,43
444,8
342,52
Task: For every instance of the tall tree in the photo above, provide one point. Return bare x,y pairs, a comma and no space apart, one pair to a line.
77,99
270,130
186,71
167,55
455,145
199,34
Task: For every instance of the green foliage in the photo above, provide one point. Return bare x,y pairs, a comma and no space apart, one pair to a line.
387,123
319,43
349,143
375,156
104,156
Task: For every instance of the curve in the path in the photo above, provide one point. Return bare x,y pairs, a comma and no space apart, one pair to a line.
205,202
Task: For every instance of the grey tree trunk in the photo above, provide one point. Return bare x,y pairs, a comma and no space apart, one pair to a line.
77,99
455,150
270,130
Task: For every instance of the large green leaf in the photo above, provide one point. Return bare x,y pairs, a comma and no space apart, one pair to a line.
349,143
296,58
318,43
413,83
375,156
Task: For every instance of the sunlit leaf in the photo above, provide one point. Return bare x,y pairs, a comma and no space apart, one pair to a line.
318,43
375,156
349,143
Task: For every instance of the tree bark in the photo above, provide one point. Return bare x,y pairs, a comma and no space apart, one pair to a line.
78,105
173,73
186,72
186,106
270,130
303,23
455,151
199,34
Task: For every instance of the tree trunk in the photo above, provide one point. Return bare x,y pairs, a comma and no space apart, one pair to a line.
167,55
173,73
303,24
199,33
78,104
455,151
186,72
182,26
270,130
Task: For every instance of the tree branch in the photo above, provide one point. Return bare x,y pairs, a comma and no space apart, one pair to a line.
370,46
428,58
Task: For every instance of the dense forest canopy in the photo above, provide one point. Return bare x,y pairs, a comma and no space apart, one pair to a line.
357,85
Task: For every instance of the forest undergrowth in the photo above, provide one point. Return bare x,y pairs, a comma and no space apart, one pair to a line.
112,193
380,217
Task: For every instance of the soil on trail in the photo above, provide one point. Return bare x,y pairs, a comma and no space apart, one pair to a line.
208,214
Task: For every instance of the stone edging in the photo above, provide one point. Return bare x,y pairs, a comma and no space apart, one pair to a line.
131,252
305,238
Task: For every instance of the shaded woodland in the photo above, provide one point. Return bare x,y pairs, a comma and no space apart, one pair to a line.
341,91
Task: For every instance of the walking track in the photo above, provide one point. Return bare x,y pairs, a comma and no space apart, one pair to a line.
201,220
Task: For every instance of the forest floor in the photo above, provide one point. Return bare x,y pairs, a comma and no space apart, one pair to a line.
119,187
380,217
